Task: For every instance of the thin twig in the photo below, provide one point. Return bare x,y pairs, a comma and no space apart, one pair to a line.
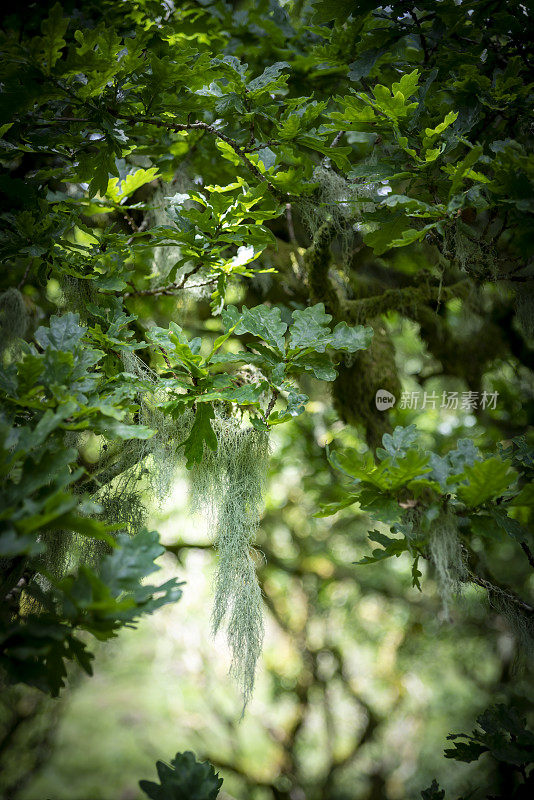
168,289
25,276
492,589
422,36
166,359
271,405
204,126
140,228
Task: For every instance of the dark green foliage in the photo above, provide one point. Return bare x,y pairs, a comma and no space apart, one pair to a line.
433,792
503,734
34,650
184,779
439,505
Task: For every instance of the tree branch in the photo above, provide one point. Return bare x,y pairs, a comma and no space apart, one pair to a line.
204,126
169,288
394,299
317,263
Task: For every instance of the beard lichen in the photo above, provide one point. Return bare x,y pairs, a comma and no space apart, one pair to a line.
141,463
448,558
519,619
228,487
13,318
338,202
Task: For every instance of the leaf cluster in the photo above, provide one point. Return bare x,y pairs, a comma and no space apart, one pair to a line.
408,489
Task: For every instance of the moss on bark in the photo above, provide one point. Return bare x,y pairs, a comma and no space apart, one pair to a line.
355,388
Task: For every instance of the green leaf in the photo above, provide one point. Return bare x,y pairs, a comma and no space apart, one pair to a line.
391,547
407,468
318,363
12,544
464,454
485,480
412,206
63,333
229,103
412,235
310,328
350,338
51,420
329,509
407,85
430,133
461,170
365,63
397,443
416,574
121,430
201,434
267,157
512,527
387,232
35,649
53,28
131,561
502,732
92,528
119,191
525,497
184,778
433,792
289,128
262,321
268,80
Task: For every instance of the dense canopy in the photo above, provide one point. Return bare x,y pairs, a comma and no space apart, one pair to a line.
280,253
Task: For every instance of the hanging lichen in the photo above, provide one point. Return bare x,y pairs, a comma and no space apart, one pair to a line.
525,308
448,558
79,293
518,617
338,201
141,462
228,486
473,254
13,318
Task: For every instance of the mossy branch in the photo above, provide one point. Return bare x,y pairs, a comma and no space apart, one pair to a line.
409,297
317,263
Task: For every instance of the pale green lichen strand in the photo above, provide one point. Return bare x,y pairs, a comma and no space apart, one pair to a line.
448,558
228,486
